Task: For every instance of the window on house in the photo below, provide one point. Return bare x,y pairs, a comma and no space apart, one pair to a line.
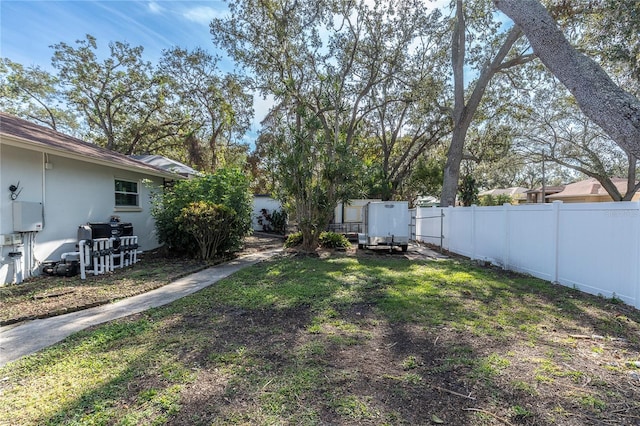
126,193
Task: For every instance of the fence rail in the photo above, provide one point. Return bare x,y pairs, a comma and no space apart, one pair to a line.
440,221
594,247
346,228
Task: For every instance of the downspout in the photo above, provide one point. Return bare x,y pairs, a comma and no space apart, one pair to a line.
1,204
30,260
1,193
45,164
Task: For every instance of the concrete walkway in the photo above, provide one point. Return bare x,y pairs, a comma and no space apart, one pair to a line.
23,339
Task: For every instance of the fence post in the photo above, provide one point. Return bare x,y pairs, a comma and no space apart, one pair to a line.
507,248
441,230
555,240
413,223
473,231
447,235
637,263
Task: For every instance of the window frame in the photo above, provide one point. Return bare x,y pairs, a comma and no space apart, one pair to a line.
126,207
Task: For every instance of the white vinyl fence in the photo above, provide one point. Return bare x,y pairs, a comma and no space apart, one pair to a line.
594,247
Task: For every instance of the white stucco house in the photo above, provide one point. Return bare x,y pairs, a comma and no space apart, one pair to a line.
51,184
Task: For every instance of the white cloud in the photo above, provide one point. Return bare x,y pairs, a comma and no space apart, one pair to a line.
201,14
155,7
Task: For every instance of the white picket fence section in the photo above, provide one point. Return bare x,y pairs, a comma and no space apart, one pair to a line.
98,256
594,247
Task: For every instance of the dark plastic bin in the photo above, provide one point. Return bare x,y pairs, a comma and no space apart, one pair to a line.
112,229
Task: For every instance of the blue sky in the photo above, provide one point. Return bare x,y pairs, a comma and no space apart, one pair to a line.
29,27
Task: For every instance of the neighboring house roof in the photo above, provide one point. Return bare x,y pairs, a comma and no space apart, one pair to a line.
515,192
167,164
547,190
15,131
589,188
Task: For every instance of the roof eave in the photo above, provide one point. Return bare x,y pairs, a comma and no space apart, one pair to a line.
37,146
576,195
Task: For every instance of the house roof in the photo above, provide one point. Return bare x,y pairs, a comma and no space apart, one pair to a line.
547,190
167,164
25,134
589,187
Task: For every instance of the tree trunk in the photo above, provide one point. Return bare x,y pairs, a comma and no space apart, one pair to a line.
610,107
632,186
454,155
463,112
452,167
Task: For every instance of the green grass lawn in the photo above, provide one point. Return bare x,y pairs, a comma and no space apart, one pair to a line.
345,340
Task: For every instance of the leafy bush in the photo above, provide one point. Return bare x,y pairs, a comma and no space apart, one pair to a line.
468,190
487,200
503,199
210,224
293,240
228,187
279,221
326,240
333,240
498,200
275,221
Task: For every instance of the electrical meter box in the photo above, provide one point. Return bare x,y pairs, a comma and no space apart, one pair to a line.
27,216
10,239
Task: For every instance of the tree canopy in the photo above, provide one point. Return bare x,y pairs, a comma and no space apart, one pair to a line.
616,111
343,75
183,107
390,99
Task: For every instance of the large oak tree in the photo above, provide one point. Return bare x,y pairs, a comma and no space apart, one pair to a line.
603,101
476,43
218,105
320,60
122,99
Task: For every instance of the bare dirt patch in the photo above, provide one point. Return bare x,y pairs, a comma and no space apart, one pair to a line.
47,296
477,346
391,373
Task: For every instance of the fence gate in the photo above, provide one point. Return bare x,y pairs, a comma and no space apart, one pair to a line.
420,237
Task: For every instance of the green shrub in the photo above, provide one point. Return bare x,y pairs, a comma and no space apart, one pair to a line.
498,200
468,190
293,240
326,240
487,200
275,221
228,187
503,199
279,221
333,240
210,224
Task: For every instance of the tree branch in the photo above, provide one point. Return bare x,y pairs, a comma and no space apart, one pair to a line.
613,109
